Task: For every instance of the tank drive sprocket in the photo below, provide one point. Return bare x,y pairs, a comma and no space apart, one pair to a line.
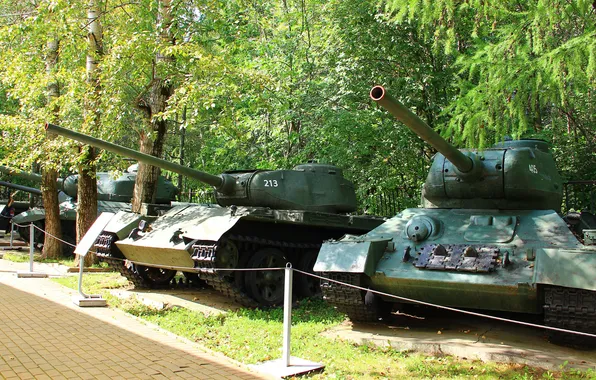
227,283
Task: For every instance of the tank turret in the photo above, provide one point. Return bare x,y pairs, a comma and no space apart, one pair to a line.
312,187
510,175
109,187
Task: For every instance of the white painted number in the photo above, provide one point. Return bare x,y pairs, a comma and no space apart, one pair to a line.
271,183
533,169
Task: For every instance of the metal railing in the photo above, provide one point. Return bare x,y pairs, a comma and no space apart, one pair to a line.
579,196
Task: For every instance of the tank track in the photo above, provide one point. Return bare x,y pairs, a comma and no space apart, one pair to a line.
348,300
103,247
131,275
204,256
572,309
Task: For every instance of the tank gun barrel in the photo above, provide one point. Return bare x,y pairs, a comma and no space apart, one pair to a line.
462,162
221,182
26,189
33,177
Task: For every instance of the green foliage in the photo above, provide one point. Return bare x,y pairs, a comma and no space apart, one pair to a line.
270,85
525,69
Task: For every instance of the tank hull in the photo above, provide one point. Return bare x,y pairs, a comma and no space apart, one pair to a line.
499,260
208,239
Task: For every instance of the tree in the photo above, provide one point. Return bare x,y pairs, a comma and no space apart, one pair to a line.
525,68
87,185
153,104
52,247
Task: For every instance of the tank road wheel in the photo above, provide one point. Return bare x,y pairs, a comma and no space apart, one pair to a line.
155,277
239,275
571,309
308,286
266,287
227,256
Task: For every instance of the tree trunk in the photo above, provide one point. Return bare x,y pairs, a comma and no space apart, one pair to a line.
145,189
154,103
87,189
182,142
52,247
87,199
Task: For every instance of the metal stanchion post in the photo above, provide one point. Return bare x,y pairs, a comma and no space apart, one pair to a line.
82,249
31,274
11,233
287,314
282,367
31,246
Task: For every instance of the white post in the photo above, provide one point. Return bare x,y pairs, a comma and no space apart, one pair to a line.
31,274
31,245
287,314
281,368
11,232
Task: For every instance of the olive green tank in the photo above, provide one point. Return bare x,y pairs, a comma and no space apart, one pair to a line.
10,207
114,193
488,236
263,219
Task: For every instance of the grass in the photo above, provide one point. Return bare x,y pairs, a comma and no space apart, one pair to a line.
24,257
252,336
95,283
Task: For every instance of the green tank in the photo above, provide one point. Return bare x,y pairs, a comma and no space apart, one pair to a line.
263,219
114,193
11,207
488,236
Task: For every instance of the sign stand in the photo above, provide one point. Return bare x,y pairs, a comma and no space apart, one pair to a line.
82,299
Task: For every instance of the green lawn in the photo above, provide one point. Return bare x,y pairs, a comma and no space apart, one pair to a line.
252,336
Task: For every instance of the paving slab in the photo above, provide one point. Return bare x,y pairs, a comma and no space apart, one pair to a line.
43,335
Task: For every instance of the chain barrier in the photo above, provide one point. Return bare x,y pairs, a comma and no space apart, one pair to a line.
399,298
488,316
46,233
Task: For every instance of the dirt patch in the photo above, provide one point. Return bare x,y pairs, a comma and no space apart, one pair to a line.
445,333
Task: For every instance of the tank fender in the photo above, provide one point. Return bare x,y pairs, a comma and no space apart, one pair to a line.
353,256
571,268
214,221
29,216
123,222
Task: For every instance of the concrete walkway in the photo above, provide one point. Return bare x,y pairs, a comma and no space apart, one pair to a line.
43,335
